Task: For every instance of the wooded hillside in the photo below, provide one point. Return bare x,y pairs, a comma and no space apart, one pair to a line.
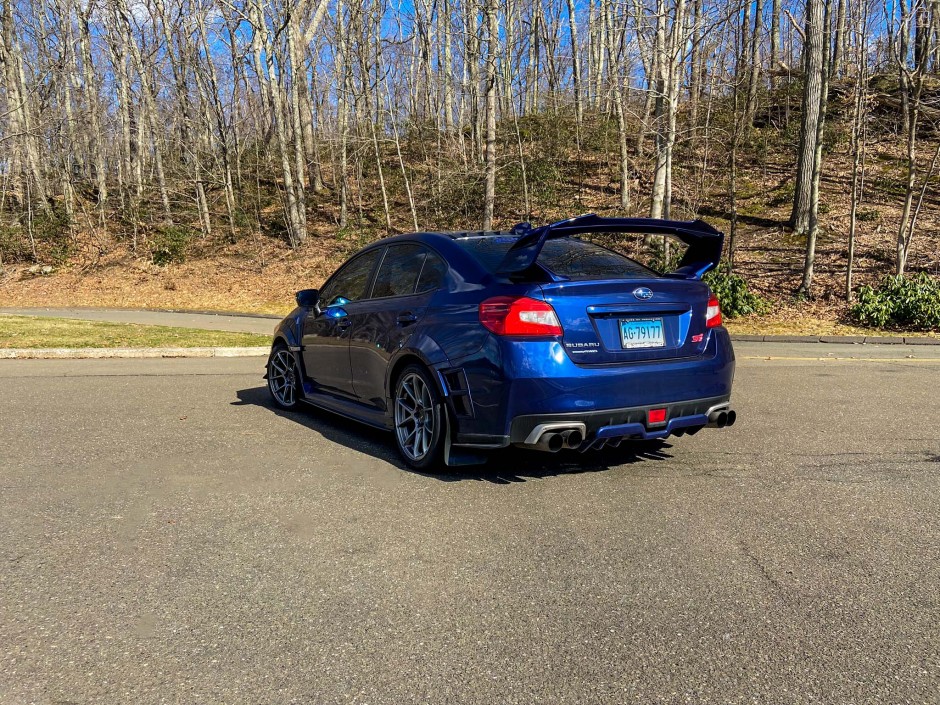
159,131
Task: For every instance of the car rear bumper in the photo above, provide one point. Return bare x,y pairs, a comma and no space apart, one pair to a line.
520,385
598,428
613,423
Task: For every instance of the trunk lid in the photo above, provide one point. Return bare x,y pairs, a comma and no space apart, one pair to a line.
635,320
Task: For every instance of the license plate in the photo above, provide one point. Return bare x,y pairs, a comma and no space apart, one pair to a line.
642,333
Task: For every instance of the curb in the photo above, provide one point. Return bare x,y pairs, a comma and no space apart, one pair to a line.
233,314
200,312
837,339
126,353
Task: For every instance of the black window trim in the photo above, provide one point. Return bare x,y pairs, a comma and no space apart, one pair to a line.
431,252
427,252
370,281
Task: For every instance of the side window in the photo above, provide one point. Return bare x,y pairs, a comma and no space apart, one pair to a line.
349,283
432,276
399,271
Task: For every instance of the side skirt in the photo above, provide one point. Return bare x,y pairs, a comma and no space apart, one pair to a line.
349,409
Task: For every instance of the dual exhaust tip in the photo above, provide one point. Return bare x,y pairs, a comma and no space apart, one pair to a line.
553,441
722,418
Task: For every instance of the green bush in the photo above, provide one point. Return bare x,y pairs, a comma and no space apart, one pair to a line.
542,178
733,293
53,235
14,244
459,201
170,244
661,260
902,302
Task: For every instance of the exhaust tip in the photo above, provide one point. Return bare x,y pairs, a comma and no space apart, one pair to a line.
718,419
553,441
732,417
572,439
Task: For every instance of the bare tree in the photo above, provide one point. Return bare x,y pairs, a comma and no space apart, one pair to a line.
492,40
672,36
804,218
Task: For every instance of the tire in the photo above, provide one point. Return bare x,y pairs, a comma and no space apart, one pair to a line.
419,419
284,381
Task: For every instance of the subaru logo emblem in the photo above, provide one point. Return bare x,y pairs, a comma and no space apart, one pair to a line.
643,294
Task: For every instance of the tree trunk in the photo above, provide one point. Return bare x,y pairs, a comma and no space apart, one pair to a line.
813,117
817,79
492,35
575,63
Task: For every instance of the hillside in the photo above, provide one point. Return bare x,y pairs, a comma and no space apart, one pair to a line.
257,270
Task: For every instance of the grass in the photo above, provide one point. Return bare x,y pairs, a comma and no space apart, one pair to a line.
35,332
769,325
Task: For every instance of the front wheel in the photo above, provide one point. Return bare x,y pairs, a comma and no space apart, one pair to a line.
283,378
419,419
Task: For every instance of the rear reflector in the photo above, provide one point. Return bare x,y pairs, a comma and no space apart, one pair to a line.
521,316
655,416
713,312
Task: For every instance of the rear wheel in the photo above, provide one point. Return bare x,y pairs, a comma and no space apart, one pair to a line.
419,419
283,378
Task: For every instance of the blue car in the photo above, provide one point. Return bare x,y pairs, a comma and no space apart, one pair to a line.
462,343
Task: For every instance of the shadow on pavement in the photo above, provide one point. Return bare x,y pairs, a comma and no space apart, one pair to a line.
503,467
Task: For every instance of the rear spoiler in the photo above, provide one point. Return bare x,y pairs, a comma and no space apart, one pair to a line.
703,253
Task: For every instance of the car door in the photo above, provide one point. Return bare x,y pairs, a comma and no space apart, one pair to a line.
326,329
406,279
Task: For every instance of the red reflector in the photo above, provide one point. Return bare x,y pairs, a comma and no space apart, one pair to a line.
656,416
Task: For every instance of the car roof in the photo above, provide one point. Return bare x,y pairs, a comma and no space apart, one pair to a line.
445,244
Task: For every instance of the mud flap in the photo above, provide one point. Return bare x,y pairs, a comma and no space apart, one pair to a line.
456,457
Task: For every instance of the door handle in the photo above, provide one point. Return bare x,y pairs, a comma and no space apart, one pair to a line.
407,318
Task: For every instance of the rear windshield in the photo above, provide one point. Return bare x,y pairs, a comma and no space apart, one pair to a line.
567,257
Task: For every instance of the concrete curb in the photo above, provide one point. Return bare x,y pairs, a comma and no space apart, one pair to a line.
199,312
125,353
838,339
234,314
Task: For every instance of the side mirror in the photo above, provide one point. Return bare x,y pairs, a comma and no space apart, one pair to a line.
307,298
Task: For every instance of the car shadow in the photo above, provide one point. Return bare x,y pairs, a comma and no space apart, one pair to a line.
503,467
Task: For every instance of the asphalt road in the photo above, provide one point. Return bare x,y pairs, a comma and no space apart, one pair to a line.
167,537
263,325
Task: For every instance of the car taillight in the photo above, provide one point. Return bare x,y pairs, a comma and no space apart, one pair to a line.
713,312
512,315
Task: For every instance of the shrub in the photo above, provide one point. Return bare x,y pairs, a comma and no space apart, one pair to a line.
14,245
460,200
170,244
659,260
53,235
542,178
733,293
899,301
